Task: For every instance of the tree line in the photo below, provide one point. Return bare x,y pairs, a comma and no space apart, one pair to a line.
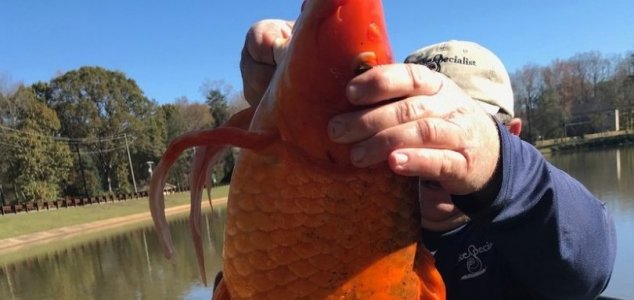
91,131
575,96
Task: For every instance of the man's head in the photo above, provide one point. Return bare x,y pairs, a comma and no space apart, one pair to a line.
483,77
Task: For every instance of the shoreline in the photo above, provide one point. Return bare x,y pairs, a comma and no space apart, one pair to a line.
13,244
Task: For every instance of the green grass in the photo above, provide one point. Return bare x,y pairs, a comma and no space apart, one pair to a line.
24,223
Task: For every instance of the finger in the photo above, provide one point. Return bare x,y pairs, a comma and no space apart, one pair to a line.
261,39
429,133
255,79
431,164
448,167
359,125
393,81
257,62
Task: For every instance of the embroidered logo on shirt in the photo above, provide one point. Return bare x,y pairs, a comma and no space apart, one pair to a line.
474,264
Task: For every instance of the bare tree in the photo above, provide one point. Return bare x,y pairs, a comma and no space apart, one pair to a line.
527,84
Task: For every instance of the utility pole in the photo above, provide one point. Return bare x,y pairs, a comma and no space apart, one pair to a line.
149,167
125,136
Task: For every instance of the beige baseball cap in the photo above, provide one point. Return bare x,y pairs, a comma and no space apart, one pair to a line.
475,69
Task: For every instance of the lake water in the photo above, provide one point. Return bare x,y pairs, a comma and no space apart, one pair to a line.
123,266
131,265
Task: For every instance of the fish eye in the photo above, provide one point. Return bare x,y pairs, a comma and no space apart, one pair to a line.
362,68
363,62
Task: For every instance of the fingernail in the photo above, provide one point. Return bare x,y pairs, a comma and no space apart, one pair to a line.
336,129
354,92
357,154
400,158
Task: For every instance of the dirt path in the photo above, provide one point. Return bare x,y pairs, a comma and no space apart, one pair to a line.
37,238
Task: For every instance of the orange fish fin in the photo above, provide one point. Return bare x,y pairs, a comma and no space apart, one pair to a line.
432,286
204,157
232,133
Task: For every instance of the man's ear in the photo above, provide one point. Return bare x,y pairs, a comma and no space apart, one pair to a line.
515,126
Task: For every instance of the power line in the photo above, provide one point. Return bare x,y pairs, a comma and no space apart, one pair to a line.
16,134
80,152
102,151
64,139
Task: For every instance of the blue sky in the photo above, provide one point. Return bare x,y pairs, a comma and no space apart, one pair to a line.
172,47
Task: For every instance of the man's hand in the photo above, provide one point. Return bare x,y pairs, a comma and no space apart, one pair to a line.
435,131
262,45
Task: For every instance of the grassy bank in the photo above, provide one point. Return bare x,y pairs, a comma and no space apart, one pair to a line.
25,223
42,250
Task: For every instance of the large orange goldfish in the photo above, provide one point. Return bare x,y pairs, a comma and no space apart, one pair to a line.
302,222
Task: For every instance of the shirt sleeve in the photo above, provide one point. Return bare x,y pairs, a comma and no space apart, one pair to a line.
557,238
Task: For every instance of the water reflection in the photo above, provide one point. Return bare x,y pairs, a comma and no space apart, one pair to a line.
608,174
126,266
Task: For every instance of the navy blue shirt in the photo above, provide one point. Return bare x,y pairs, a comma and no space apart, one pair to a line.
544,236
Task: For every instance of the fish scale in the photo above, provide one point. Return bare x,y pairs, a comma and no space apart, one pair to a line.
359,227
